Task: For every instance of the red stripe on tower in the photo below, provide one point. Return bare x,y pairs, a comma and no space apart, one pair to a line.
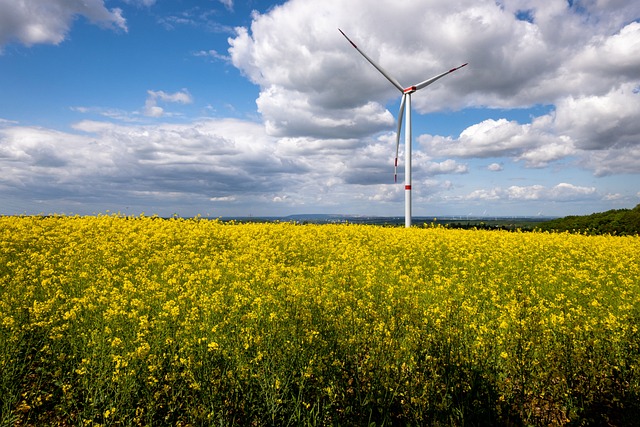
407,187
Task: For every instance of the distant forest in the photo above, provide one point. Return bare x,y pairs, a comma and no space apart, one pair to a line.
621,222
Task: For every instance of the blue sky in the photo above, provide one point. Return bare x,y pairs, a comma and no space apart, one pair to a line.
234,108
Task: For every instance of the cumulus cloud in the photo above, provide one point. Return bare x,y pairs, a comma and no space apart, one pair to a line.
513,62
448,166
151,107
600,131
198,161
605,121
211,165
582,58
326,134
615,161
535,143
615,54
198,166
561,192
34,21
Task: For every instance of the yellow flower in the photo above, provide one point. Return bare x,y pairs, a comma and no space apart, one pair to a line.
109,412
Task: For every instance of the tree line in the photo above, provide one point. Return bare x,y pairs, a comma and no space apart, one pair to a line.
622,222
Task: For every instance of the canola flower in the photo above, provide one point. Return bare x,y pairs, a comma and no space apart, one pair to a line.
114,320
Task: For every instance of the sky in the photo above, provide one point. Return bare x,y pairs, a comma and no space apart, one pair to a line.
262,108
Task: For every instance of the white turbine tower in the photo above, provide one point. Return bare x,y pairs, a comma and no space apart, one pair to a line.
405,107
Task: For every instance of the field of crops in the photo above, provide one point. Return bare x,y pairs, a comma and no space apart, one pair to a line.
111,320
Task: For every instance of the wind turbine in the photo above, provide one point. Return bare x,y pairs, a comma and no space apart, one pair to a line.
405,108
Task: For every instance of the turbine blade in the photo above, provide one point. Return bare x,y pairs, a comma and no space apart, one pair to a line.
371,61
400,117
439,76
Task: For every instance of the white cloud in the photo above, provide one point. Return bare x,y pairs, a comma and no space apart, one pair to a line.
212,54
614,55
601,131
613,161
5,122
604,121
145,3
109,113
313,83
34,21
211,164
326,137
227,3
565,191
199,161
535,143
291,114
199,17
562,192
222,163
613,196
151,107
296,47
485,194
539,156
448,166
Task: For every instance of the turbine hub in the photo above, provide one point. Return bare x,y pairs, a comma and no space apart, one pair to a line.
409,89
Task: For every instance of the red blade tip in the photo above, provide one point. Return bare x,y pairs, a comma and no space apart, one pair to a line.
457,68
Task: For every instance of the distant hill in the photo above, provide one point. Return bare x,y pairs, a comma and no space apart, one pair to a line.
621,222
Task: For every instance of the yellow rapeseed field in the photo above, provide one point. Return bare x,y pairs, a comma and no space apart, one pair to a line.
114,320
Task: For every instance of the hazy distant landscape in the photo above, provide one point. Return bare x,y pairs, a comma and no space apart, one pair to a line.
616,221
458,221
